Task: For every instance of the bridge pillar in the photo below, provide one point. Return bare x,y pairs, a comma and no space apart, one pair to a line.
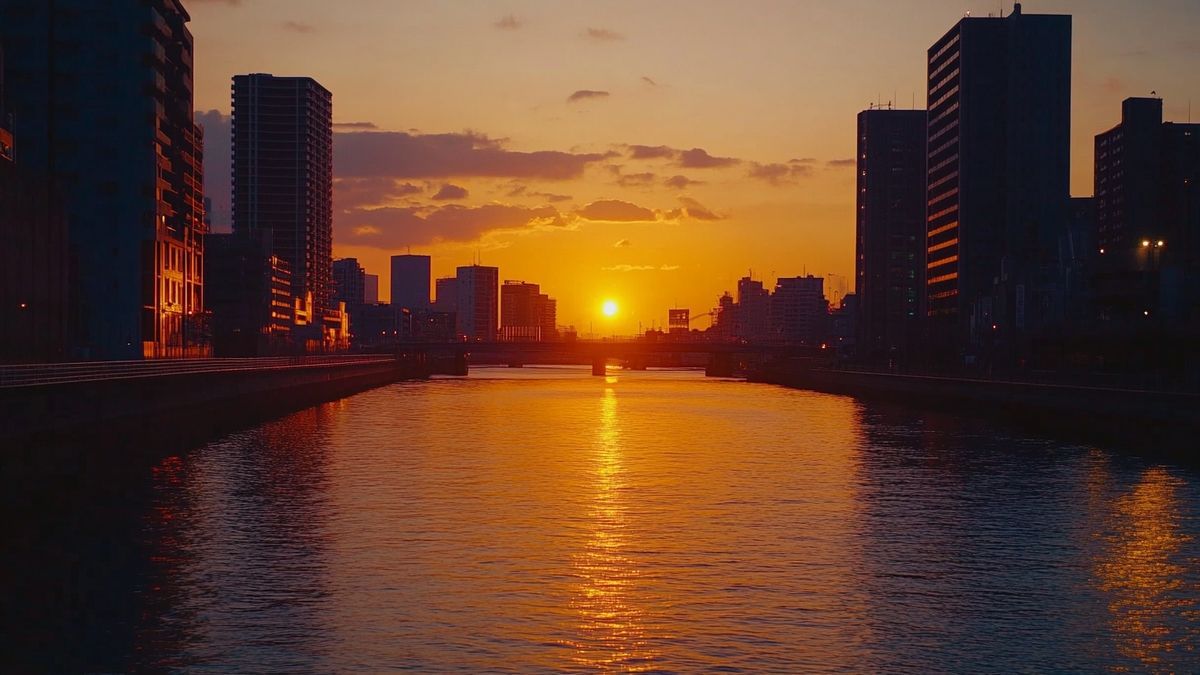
719,365
599,366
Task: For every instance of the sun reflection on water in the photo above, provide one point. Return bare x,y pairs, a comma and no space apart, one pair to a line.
1147,582
611,631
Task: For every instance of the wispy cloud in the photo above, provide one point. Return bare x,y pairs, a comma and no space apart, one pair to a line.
623,243
843,163
681,182
298,27
649,81
779,174
450,191
617,211
697,158
352,126
602,35
508,22
585,94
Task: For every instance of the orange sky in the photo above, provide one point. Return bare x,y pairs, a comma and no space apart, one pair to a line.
648,152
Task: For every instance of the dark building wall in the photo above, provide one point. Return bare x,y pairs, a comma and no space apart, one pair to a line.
890,258
33,269
101,99
283,174
349,282
1147,219
410,281
249,293
998,182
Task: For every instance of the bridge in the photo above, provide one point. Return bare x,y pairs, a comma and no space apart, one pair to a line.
723,357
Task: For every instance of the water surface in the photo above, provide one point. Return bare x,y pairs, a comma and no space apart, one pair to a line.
544,519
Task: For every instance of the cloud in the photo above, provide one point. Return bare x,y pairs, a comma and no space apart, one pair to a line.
508,22
681,182
523,191
217,161
805,160
617,211
649,81
844,163
298,27
651,152
450,191
623,243
780,174
395,227
374,191
602,35
696,210
405,155
350,126
585,94
636,179
697,158
639,268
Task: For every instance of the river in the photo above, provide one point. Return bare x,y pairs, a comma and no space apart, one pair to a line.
542,519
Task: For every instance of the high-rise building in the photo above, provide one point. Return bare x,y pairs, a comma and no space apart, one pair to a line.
371,289
890,242
754,310
283,175
998,169
410,281
250,294
478,308
33,258
447,295
526,314
1147,213
101,98
349,282
799,310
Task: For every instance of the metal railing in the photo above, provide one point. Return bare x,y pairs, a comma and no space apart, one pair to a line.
28,375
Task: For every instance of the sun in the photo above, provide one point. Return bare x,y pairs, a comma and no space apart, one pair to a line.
609,308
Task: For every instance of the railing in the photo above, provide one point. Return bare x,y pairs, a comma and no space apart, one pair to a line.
93,371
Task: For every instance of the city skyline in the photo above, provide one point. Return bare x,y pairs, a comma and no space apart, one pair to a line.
760,211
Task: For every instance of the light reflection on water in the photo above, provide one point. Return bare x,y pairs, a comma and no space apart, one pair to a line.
544,519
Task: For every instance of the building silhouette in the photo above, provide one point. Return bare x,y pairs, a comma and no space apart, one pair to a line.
477,308
890,234
283,175
447,295
101,102
1147,202
33,257
754,310
250,293
799,310
998,169
371,289
410,281
526,314
349,282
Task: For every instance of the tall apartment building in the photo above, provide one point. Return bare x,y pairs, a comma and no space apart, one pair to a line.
349,281
283,175
890,234
799,310
1147,213
526,314
478,311
410,281
101,102
998,169
447,295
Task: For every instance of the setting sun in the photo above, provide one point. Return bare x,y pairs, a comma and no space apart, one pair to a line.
609,308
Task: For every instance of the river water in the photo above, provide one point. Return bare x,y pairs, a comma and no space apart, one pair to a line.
542,519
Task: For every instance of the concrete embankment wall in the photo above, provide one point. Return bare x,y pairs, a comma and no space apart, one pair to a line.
1096,412
192,403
